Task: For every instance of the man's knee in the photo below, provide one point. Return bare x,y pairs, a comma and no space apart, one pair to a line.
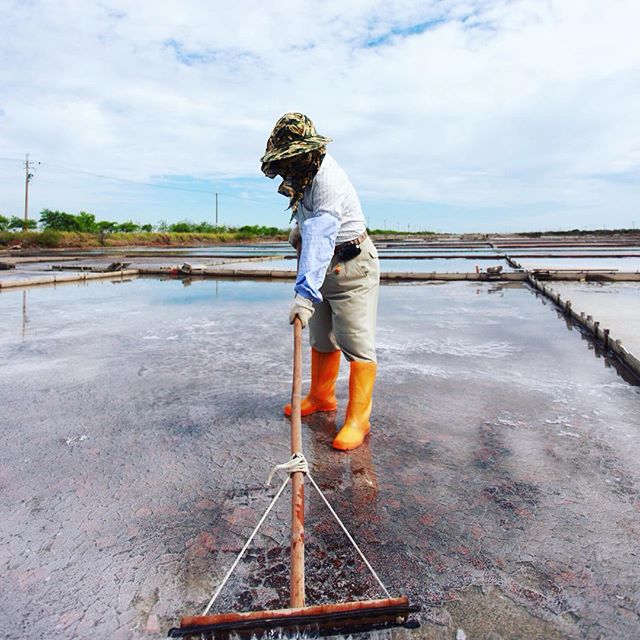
357,346
323,342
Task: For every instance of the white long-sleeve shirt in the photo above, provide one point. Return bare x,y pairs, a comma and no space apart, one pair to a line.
328,214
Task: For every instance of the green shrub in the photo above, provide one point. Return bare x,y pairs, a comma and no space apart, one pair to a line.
18,224
58,220
181,227
105,226
128,227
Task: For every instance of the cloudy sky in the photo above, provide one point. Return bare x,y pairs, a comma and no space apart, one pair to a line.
453,115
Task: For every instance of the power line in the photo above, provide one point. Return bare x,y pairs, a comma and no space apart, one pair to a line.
126,180
264,192
140,183
152,185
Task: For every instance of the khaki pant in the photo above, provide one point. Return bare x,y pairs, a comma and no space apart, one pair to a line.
346,318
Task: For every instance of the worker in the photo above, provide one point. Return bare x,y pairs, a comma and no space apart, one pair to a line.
336,290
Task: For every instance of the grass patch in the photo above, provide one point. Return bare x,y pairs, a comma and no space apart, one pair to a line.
53,239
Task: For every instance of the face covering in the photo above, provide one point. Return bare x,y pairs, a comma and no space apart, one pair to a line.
297,172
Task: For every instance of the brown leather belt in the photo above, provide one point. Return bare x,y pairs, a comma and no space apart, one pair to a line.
359,240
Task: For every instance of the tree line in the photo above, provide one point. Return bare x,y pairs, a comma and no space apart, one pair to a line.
85,222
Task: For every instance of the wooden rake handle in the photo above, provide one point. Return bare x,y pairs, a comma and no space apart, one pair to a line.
297,478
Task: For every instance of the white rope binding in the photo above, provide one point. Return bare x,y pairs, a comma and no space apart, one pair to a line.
297,463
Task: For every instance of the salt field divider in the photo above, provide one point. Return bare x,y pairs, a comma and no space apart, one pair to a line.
600,334
585,275
67,277
34,260
518,276
281,274
229,257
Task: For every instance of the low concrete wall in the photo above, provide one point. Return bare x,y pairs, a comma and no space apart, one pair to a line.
434,275
585,275
280,274
600,334
34,260
66,277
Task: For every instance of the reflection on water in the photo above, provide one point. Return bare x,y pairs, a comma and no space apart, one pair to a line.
25,318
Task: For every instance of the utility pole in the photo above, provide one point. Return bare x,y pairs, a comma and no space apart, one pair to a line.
27,178
216,210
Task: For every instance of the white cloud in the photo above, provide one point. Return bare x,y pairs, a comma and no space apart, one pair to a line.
500,104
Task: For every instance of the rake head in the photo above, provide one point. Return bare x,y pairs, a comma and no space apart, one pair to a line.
319,620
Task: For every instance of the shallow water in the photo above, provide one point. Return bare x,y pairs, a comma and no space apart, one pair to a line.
499,487
620,264
426,251
622,251
616,305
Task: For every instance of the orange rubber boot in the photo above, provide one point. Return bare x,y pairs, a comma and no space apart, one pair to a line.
356,425
324,373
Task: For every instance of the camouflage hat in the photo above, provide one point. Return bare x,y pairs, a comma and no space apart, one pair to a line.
293,134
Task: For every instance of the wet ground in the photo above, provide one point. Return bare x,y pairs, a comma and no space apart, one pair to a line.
499,488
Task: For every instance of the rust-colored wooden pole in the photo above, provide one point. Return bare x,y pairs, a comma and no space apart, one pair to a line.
297,479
